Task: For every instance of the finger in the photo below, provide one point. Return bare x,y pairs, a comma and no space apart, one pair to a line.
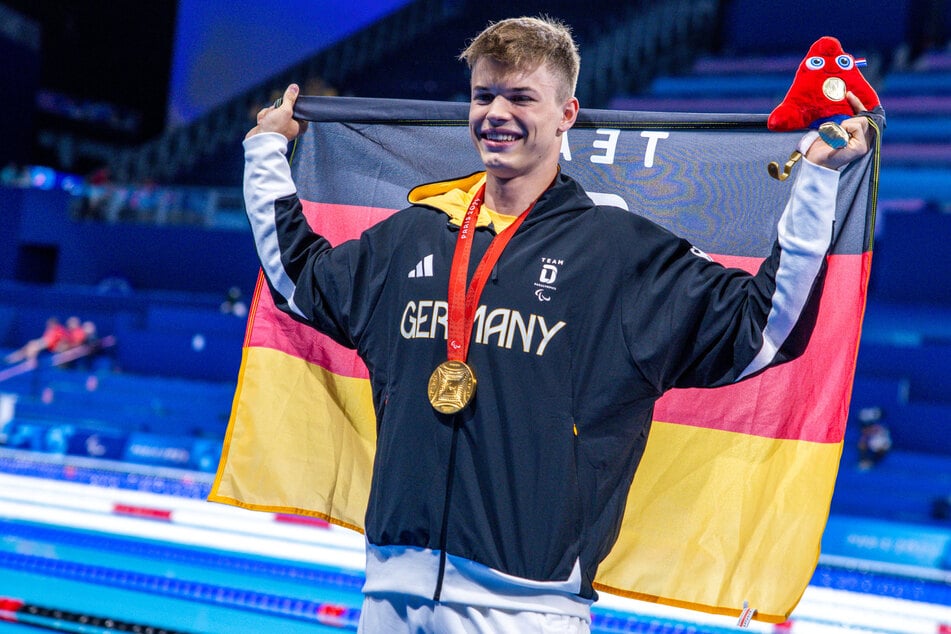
859,139
857,126
855,102
866,137
289,98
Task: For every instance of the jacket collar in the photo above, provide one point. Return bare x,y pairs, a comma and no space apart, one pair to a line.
452,197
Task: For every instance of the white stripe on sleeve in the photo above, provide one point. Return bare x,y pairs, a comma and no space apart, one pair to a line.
805,232
267,177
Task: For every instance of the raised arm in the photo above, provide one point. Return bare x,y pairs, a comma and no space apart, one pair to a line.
731,326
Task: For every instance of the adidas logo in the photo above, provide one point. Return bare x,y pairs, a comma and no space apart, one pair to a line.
424,268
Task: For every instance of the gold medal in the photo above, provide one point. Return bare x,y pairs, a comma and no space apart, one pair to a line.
834,89
451,387
834,135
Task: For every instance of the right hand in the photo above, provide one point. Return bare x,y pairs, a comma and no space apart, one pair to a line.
860,140
280,119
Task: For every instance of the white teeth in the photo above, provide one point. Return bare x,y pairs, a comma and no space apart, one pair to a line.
498,136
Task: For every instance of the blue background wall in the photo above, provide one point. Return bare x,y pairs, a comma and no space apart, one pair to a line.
44,240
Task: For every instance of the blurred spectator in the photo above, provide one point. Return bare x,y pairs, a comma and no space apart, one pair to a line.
100,177
875,440
74,337
90,334
13,176
75,334
53,339
233,304
93,204
90,347
77,339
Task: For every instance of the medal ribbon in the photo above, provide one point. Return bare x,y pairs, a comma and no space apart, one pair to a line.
462,303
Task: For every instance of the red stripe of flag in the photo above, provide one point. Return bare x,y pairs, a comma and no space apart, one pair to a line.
338,223
806,399
273,329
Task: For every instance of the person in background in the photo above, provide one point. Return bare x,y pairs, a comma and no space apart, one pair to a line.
54,338
875,440
234,304
75,334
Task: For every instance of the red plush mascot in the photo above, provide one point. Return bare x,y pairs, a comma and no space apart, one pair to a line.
817,100
818,90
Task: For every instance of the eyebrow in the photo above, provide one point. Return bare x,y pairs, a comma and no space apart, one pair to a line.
516,89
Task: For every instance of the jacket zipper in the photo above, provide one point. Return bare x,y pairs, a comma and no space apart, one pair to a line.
443,537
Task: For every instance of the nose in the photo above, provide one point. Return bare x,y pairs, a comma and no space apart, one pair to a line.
498,109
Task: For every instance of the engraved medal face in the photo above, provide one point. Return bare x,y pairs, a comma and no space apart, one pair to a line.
451,387
834,89
834,135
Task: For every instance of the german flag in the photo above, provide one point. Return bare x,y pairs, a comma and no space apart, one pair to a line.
732,495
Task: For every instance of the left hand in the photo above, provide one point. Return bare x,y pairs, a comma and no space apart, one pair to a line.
860,140
280,118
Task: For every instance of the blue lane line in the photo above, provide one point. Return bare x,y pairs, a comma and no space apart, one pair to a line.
20,463
75,622
882,584
260,602
82,596
218,560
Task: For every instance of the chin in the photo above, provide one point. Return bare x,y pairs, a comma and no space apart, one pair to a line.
497,165
500,172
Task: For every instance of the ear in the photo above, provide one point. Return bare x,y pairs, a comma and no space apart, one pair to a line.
569,114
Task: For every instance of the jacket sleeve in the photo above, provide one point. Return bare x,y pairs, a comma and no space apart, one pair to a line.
309,279
712,325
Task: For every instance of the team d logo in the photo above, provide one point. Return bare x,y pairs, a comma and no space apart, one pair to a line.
545,285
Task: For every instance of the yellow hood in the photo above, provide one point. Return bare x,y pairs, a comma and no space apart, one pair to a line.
452,197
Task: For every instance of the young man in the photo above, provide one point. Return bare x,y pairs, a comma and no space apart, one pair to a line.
503,463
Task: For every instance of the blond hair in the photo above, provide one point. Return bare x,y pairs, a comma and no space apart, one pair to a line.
526,43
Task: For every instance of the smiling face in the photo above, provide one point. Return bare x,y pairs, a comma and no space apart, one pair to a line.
516,121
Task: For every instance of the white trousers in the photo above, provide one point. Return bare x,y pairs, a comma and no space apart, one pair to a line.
413,615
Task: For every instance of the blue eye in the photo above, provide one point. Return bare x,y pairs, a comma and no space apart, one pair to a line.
844,61
815,63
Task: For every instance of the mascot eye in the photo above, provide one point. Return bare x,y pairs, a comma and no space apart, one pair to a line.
844,61
815,63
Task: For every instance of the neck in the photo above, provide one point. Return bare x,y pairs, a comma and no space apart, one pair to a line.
513,196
